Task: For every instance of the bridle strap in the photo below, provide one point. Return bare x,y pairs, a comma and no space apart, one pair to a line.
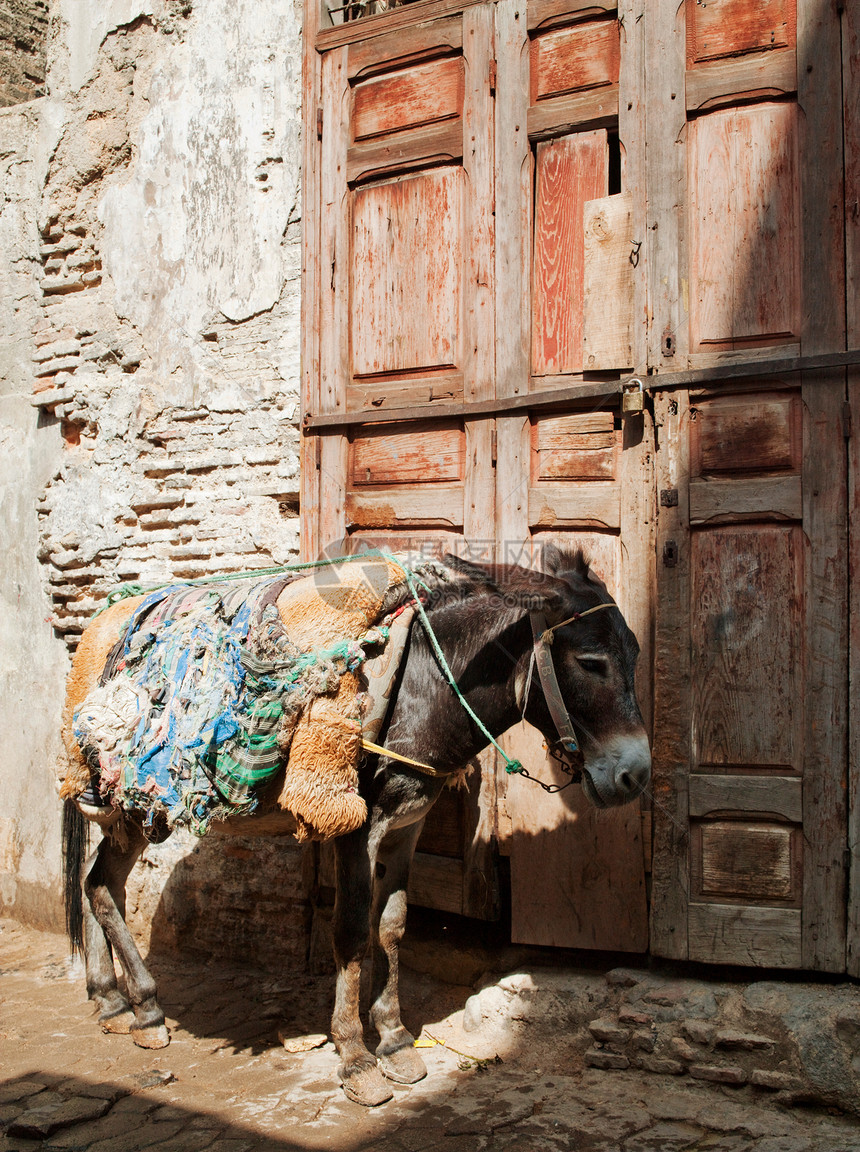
542,656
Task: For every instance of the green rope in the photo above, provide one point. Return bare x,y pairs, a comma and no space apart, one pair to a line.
125,591
510,765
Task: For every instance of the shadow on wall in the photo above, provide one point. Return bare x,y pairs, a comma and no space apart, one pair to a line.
232,898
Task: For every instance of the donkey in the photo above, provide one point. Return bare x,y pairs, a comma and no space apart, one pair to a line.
493,631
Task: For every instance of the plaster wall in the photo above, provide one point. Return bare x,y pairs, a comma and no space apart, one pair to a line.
33,660
157,371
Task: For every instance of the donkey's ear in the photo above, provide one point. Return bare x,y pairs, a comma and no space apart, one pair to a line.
551,559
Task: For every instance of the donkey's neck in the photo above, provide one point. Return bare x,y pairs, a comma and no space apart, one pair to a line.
484,644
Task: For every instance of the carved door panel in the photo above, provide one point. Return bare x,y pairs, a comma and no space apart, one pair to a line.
751,638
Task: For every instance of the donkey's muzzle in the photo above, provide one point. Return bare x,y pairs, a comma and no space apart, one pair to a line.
619,772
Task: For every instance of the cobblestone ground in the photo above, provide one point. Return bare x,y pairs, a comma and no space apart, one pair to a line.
227,1084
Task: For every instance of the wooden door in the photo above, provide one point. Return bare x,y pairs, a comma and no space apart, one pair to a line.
751,641
399,288
423,212
578,474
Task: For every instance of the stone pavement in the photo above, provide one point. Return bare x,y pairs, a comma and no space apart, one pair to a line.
227,1084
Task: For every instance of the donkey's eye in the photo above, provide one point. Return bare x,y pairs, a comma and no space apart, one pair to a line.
598,665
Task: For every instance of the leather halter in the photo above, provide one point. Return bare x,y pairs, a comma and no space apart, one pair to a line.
542,657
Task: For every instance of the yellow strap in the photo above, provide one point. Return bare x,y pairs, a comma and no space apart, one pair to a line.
403,759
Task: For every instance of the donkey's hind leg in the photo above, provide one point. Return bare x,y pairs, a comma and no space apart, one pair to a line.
107,932
396,1054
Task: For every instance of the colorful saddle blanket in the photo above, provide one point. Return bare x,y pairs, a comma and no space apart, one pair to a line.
195,706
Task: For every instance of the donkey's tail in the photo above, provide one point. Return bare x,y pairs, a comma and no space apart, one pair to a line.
76,836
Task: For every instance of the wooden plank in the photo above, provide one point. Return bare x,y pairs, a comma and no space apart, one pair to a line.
746,646
744,361
577,877
479,321
665,129
608,302
851,123
742,78
409,98
762,794
744,226
432,144
748,433
824,773
738,861
571,59
737,934
543,13
513,190
428,507
570,171
419,454
579,112
636,465
386,393
407,271
771,496
309,495
819,93
729,27
593,502
851,111
383,23
853,928
823,330
334,298
436,882
398,48
580,446
672,751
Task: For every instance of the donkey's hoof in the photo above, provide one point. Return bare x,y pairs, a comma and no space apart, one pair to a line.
404,1066
155,1036
119,1023
366,1087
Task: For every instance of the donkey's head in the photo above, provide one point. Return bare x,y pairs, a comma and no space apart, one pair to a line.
593,654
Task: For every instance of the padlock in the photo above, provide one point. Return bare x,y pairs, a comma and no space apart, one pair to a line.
632,397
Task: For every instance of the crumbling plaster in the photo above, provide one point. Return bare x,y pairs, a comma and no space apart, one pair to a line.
161,331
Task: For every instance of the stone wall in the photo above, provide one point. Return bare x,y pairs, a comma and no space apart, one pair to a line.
23,30
161,328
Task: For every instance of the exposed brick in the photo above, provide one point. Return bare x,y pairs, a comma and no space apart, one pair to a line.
746,1041
644,1040
608,1032
660,1064
718,1073
630,1016
778,1081
158,500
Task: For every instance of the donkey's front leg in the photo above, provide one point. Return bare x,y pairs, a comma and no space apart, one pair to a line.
362,1080
104,912
398,1059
